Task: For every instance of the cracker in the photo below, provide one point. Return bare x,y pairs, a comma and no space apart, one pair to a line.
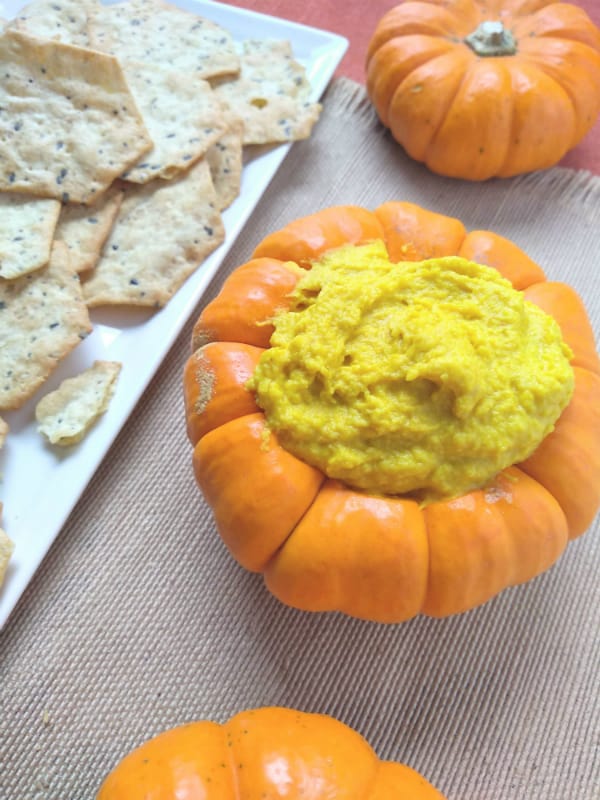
271,94
27,227
69,125
183,115
6,550
3,431
63,20
42,318
84,229
66,414
157,33
164,230
225,162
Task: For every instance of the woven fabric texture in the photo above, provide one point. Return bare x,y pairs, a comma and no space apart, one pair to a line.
139,619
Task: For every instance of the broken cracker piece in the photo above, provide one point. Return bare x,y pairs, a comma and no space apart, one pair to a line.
42,318
66,414
3,431
27,226
6,550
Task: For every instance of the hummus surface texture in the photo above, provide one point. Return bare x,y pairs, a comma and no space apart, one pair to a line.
421,378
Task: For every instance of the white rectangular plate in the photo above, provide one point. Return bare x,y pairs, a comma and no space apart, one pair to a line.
39,486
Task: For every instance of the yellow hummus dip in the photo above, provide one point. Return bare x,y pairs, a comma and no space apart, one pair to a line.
424,378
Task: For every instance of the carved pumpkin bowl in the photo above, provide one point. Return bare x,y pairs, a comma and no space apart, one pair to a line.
392,416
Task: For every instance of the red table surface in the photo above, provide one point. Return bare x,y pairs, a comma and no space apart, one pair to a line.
356,20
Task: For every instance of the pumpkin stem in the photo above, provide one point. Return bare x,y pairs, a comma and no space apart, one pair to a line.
491,38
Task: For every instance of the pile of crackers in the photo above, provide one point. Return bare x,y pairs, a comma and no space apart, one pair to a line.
122,130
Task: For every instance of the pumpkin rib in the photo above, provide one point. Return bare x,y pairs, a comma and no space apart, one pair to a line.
542,131
428,92
578,83
303,745
567,462
256,505
315,569
171,759
493,250
305,239
249,297
481,112
563,303
489,539
417,18
214,383
412,233
394,61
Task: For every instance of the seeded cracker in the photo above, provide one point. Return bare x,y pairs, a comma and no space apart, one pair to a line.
84,229
156,33
163,232
66,414
3,431
183,115
69,125
27,227
42,318
225,162
63,20
271,94
6,551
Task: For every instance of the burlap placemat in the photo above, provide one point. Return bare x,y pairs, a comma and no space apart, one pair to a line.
139,619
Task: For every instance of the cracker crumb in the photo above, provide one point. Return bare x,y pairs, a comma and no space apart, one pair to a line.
66,414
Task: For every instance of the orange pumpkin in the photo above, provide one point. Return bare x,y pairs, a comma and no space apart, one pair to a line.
481,88
322,545
266,752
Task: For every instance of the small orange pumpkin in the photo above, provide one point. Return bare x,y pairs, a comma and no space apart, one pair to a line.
265,752
481,88
324,546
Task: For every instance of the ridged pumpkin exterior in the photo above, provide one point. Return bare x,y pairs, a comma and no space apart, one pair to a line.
261,753
477,89
322,545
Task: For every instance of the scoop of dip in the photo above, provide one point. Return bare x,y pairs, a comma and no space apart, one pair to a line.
422,378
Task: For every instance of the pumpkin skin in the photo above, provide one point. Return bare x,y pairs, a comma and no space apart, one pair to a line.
265,752
475,116
323,546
